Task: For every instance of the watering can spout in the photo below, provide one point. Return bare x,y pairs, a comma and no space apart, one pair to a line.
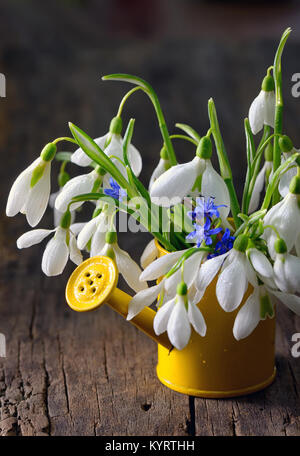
93,283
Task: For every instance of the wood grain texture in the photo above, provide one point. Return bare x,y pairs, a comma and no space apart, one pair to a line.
94,374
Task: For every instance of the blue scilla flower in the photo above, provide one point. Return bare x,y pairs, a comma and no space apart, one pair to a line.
224,245
203,233
116,191
205,207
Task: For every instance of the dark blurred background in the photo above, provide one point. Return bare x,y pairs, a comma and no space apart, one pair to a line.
53,54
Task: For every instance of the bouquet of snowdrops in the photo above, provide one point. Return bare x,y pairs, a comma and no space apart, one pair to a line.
186,208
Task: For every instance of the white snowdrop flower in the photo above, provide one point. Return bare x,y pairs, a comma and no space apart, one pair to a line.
262,177
176,317
260,262
176,183
127,267
285,218
161,266
286,269
212,185
286,177
112,144
206,274
143,299
94,232
57,215
31,190
60,247
257,307
236,273
79,185
190,272
262,109
163,165
149,254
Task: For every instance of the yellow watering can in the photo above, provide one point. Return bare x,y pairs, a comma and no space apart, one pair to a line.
215,366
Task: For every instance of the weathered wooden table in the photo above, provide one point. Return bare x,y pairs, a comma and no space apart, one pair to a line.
94,374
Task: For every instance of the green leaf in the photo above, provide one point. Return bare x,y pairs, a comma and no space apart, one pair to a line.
189,131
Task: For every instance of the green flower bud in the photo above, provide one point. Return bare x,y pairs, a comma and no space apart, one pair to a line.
97,211
65,220
116,125
204,149
241,243
269,152
181,289
295,185
101,171
63,178
280,246
111,237
49,151
285,144
164,153
268,83
37,173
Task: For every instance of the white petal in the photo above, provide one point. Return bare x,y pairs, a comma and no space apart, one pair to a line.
231,283
191,268
74,187
75,254
292,273
279,273
86,233
248,317
285,181
76,228
135,159
257,113
162,166
257,189
269,108
260,263
98,243
162,316
297,245
19,190
38,198
290,300
149,254
161,266
143,299
56,254
213,185
208,271
32,237
179,329
177,182
196,319
129,269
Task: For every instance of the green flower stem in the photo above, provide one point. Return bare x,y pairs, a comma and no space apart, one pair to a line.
250,154
278,107
125,98
189,131
225,168
154,99
186,138
64,138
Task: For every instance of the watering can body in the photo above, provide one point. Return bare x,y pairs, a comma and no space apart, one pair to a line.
215,366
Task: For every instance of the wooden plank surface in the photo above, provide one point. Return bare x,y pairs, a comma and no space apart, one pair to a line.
94,374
